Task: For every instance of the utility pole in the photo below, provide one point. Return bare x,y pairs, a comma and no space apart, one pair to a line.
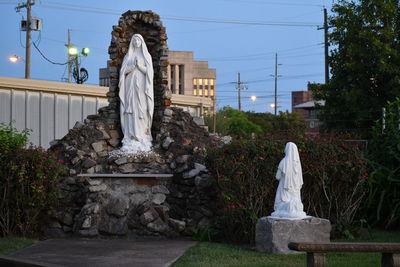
215,111
276,84
239,87
326,45
68,45
27,5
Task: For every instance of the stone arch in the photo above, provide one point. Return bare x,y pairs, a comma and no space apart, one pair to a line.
147,24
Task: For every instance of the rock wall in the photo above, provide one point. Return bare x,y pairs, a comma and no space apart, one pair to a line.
95,206
147,24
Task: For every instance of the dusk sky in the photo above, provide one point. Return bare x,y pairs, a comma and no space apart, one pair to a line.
233,35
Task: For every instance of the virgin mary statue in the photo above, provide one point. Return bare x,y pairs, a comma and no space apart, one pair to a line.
288,203
136,96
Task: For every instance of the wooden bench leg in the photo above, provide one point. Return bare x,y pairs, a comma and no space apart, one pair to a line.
315,259
390,260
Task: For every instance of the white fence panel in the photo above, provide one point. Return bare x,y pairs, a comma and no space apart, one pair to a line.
33,118
48,109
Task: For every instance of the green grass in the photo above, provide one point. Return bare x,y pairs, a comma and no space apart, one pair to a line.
10,244
219,254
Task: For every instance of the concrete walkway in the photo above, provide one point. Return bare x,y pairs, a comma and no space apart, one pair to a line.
100,252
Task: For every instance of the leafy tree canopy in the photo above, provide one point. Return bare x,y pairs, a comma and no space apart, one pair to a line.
365,64
242,124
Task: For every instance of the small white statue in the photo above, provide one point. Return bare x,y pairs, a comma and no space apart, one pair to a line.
136,96
288,203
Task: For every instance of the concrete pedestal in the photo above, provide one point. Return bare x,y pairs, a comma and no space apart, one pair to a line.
273,235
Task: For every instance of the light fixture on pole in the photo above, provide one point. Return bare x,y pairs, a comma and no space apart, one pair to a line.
253,98
80,75
14,58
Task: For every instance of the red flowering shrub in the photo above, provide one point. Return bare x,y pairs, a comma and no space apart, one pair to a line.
28,179
334,173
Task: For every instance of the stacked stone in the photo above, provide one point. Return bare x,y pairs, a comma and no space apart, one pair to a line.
120,206
193,191
147,24
123,206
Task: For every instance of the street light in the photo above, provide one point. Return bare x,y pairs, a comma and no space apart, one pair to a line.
272,105
253,98
72,51
80,75
85,51
14,58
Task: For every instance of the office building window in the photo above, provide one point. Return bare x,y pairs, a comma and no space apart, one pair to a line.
181,80
172,67
194,86
200,83
206,87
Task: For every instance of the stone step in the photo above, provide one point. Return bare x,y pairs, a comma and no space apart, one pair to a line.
129,175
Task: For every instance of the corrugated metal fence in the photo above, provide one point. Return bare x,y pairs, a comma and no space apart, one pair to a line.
49,109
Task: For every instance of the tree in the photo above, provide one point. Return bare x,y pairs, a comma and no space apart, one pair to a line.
233,122
242,124
365,64
284,122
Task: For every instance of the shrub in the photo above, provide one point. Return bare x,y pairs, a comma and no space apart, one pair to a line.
383,203
28,179
10,138
334,175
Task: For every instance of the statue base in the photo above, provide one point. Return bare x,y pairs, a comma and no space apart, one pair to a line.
274,234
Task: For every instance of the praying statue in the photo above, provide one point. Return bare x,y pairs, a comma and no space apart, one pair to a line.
288,203
136,96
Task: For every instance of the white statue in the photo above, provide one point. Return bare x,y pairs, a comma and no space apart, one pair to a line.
136,95
288,203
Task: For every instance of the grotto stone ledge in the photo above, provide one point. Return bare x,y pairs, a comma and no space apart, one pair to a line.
122,175
121,205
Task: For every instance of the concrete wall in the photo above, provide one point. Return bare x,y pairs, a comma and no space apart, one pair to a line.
49,109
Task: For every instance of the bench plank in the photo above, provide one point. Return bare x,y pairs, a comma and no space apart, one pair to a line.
316,251
345,247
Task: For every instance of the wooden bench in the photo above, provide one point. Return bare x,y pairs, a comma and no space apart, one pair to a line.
316,251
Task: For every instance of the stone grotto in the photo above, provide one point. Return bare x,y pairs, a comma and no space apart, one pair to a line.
167,192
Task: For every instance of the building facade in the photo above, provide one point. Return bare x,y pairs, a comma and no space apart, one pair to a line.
304,104
191,82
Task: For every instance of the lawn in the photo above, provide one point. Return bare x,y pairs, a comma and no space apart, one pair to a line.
10,244
219,254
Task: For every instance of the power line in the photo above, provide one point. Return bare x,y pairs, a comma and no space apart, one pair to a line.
195,19
260,54
52,62
272,3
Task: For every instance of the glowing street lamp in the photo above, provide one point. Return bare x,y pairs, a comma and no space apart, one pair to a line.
85,51
272,105
253,98
81,75
14,58
72,51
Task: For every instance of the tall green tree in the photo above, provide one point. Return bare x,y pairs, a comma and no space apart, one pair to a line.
243,124
233,122
365,64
